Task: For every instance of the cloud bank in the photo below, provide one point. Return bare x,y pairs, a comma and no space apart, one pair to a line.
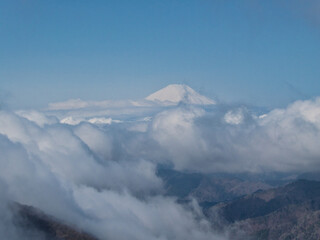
75,173
101,175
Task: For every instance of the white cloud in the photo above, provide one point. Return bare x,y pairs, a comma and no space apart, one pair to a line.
54,168
176,131
102,176
76,104
126,217
70,104
282,140
234,117
38,117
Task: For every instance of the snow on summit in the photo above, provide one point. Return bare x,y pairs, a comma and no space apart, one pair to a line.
74,111
175,93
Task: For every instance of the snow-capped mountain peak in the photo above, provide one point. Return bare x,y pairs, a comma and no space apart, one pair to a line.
175,93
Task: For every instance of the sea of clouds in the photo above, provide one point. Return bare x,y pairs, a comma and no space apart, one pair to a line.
100,175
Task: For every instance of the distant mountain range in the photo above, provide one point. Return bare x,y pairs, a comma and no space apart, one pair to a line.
288,212
252,206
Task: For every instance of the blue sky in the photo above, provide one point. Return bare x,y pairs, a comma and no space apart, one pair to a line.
264,53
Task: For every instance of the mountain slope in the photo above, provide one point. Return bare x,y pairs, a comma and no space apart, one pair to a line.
176,93
289,212
38,225
207,189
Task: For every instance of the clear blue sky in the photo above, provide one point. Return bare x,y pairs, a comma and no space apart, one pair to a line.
264,53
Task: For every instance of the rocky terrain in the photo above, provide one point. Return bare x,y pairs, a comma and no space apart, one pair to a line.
289,212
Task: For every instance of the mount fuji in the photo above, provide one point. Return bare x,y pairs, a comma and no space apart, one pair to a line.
176,93
74,111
